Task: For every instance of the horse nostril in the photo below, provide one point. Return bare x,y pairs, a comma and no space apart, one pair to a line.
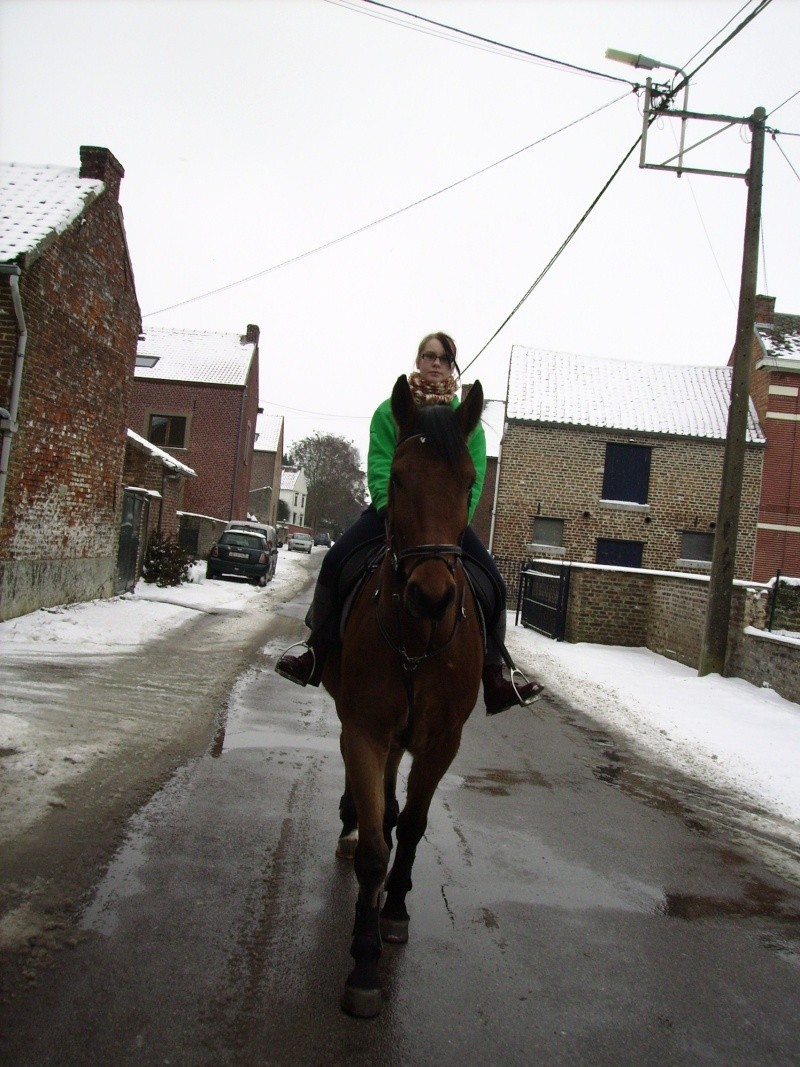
427,605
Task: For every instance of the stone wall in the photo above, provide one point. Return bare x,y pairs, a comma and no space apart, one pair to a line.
665,612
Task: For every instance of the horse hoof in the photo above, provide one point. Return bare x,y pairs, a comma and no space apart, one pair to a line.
394,931
346,845
361,1003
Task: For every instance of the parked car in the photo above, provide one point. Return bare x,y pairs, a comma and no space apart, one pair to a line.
241,553
269,532
299,542
323,538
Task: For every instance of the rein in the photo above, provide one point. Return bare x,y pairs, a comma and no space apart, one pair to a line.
448,554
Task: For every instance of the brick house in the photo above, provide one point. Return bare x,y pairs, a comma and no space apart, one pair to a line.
195,395
775,389
618,463
69,322
265,473
294,493
152,490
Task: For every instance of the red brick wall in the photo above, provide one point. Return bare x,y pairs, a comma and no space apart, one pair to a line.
63,492
780,487
219,447
557,472
148,472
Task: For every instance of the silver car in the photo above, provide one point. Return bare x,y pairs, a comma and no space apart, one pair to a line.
300,542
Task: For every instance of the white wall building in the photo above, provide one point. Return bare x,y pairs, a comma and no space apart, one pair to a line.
294,492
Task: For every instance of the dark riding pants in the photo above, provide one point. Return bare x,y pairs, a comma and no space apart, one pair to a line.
370,526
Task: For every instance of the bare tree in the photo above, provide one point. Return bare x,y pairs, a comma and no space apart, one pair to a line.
336,483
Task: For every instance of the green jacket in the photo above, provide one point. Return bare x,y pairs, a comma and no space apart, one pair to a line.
382,441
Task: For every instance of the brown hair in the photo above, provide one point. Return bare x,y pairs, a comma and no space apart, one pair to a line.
447,343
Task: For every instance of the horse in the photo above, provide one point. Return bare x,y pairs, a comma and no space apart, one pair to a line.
408,670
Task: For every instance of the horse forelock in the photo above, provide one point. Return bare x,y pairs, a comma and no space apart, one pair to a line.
439,425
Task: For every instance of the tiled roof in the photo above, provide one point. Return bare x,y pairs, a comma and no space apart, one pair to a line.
268,433
289,478
37,203
194,356
681,401
780,339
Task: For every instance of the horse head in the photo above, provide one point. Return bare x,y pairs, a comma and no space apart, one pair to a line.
431,481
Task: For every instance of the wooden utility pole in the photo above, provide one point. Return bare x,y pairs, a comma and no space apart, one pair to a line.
720,591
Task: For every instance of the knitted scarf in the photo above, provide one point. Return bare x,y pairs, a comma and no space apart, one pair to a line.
431,393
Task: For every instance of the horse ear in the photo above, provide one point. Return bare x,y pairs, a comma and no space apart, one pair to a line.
469,413
402,403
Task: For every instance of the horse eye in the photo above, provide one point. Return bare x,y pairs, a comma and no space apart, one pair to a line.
396,482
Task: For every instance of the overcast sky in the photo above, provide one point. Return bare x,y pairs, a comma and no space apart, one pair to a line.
253,131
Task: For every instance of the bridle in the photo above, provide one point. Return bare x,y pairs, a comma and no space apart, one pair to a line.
448,554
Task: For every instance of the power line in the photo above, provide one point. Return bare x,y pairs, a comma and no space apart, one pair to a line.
714,36
564,244
785,157
786,101
384,218
753,14
484,40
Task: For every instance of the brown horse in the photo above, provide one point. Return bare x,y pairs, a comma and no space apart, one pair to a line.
408,672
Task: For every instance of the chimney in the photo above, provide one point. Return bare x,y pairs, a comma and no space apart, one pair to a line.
100,163
765,309
252,335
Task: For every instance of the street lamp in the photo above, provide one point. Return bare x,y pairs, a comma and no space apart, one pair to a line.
631,59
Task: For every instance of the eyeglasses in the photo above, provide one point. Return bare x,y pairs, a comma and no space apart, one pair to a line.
432,357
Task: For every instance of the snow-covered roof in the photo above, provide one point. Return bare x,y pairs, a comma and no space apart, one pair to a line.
681,401
289,478
194,356
37,203
159,453
780,341
268,433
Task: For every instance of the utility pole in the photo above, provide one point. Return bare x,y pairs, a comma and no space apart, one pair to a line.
720,590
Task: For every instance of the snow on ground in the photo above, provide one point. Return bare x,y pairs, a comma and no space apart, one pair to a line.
721,730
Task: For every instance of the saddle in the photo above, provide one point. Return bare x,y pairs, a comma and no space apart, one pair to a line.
364,560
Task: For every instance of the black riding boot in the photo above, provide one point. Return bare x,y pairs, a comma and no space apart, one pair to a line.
500,692
322,619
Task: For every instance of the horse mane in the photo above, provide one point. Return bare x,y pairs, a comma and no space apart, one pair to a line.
439,425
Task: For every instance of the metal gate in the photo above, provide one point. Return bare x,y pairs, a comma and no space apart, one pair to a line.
543,597
128,551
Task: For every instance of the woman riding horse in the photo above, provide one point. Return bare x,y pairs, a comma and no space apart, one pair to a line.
433,381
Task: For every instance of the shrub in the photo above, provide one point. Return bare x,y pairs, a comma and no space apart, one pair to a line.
165,562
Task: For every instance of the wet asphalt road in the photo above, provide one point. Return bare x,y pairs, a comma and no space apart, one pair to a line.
571,905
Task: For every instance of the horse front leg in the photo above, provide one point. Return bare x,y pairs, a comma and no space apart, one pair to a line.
348,838
365,762
427,770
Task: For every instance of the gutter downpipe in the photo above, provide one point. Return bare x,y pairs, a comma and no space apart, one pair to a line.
496,486
8,420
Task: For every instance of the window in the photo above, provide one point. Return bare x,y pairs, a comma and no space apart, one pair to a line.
615,553
548,532
697,546
626,475
169,430
147,361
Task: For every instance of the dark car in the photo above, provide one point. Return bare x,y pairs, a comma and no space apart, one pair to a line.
323,538
263,528
242,554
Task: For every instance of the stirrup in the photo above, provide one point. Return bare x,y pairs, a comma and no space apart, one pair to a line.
298,644
526,681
